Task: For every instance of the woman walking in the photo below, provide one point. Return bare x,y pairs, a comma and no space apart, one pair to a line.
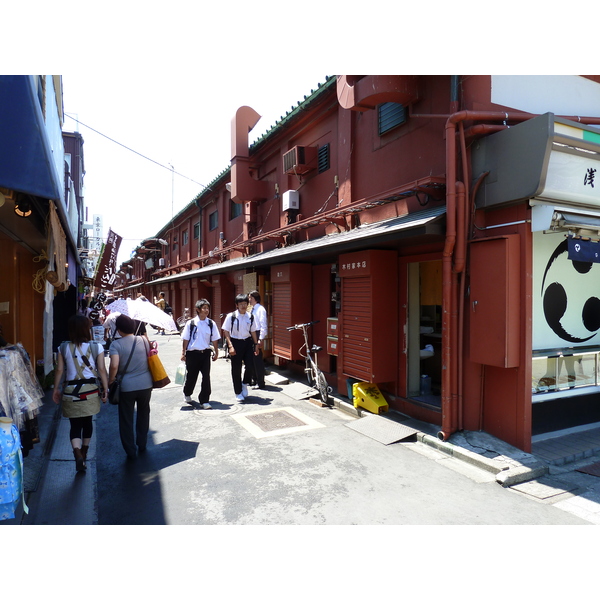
83,361
129,361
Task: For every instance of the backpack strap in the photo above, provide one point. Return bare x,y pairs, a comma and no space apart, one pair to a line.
193,326
235,319
85,359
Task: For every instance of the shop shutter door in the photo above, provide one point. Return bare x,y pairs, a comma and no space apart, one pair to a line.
282,318
357,327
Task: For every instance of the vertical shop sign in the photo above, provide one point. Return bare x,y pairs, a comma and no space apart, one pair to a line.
107,271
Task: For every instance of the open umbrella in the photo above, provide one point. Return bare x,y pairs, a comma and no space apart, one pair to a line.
145,311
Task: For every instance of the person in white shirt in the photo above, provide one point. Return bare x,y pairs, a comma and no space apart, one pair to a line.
199,335
260,316
241,333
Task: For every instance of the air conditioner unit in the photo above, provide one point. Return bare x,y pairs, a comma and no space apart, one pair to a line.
290,200
300,160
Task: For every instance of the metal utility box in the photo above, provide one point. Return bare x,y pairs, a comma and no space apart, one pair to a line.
332,345
290,200
494,307
292,295
332,326
369,317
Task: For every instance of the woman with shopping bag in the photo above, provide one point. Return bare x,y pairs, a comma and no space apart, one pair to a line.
136,386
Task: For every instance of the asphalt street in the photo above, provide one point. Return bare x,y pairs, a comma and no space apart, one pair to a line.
277,459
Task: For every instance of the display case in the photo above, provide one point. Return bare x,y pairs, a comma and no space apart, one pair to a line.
555,372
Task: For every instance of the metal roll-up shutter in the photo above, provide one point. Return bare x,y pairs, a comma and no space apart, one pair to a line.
357,327
282,318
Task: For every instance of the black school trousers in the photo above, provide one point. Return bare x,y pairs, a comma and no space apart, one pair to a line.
198,362
244,355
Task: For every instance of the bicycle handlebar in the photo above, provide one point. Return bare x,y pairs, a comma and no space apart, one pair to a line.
301,325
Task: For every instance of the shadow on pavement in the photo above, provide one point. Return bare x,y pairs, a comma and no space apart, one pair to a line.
129,491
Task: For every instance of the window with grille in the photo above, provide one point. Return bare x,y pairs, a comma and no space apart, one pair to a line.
196,230
323,158
390,115
184,238
213,220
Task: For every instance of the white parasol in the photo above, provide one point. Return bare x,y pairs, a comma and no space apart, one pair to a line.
145,311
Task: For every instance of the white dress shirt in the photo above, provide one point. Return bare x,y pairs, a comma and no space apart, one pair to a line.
202,337
260,318
241,328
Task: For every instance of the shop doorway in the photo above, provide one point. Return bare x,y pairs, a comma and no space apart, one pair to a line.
424,332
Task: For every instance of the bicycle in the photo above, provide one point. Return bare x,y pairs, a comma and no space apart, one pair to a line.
181,321
315,376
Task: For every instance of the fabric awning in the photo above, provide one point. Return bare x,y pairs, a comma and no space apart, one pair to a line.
26,163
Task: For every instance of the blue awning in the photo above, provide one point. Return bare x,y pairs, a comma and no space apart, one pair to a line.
26,163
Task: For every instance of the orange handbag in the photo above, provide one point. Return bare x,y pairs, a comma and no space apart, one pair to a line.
159,375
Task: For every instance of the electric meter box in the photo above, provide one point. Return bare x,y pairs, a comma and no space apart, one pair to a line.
290,200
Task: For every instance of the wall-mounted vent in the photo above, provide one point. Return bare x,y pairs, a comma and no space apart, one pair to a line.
300,160
390,115
323,158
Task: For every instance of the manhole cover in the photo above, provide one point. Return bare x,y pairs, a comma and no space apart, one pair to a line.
275,420
271,422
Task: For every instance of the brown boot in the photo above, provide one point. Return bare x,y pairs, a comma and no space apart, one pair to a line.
79,466
84,451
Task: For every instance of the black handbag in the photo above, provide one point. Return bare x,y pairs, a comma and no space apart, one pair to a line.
114,388
113,391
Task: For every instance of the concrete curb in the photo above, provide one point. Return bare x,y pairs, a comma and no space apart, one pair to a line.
507,474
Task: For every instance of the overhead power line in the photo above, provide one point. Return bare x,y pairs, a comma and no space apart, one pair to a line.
170,168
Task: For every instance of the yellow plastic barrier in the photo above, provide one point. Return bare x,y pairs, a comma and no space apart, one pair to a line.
367,396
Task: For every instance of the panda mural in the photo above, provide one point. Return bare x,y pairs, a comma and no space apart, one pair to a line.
566,314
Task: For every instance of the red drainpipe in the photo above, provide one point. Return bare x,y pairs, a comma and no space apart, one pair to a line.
456,207
451,342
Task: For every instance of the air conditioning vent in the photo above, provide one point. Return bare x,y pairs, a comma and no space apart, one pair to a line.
300,160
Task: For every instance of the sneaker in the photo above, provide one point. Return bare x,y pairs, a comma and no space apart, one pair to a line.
239,398
258,387
244,390
206,406
189,400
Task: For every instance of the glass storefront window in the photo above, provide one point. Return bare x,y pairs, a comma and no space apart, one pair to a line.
564,372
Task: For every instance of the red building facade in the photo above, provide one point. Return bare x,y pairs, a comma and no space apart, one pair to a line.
407,214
